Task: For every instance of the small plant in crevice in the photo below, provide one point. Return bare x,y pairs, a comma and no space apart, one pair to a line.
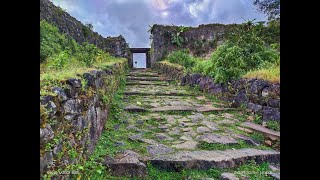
176,37
252,170
258,119
258,137
274,125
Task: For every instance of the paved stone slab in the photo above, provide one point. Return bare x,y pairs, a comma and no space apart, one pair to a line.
172,108
275,175
126,163
186,138
203,129
228,176
259,128
148,141
135,137
155,83
144,74
197,117
245,130
226,122
247,139
211,125
211,108
190,144
163,137
217,139
134,108
186,124
148,78
159,149
174,131
144,93
213,159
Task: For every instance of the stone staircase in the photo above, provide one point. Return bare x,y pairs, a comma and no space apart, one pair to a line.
179,129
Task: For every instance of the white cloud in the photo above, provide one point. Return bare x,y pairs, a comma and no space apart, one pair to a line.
131,18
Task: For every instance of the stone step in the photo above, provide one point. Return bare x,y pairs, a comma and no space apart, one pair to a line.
189,108
204,160
133,108
126,163
141,70
156,83
129,78
211,108
155,93
143,74
259,128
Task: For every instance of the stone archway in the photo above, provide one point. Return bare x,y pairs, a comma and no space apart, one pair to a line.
140,50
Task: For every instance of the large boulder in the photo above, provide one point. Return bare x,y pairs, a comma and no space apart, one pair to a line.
269,113
126,163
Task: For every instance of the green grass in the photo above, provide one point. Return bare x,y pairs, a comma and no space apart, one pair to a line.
214,146
275,125
156,174
254,171
269,74
61,58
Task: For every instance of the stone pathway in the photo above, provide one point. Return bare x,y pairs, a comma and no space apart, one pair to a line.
176,128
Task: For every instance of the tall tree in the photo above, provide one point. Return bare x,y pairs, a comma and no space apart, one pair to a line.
269,7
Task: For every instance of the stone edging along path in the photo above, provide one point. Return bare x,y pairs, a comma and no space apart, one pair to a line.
179,129
260,97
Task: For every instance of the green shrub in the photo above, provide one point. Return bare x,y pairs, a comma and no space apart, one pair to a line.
242,52
58,50
50,40
182,57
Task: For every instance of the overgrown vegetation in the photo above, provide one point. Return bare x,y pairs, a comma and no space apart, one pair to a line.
61,57
58,50
183,58
245,51
176,37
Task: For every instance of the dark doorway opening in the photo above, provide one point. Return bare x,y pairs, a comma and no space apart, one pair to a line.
140,61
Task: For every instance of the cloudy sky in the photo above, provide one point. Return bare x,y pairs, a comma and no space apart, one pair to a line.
131,18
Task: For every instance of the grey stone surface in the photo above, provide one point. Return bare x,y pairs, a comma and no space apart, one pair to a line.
203,129
126,163
211,125
135,137
159,149
163,137
140,122
226,122
275,175
189,144
61,94
175,131
213,159
246,139
72,106
217,138
148,141
172,108
46,161
46,134
197,117
269,113
186,138
259,128
228,176
119,143
134,108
